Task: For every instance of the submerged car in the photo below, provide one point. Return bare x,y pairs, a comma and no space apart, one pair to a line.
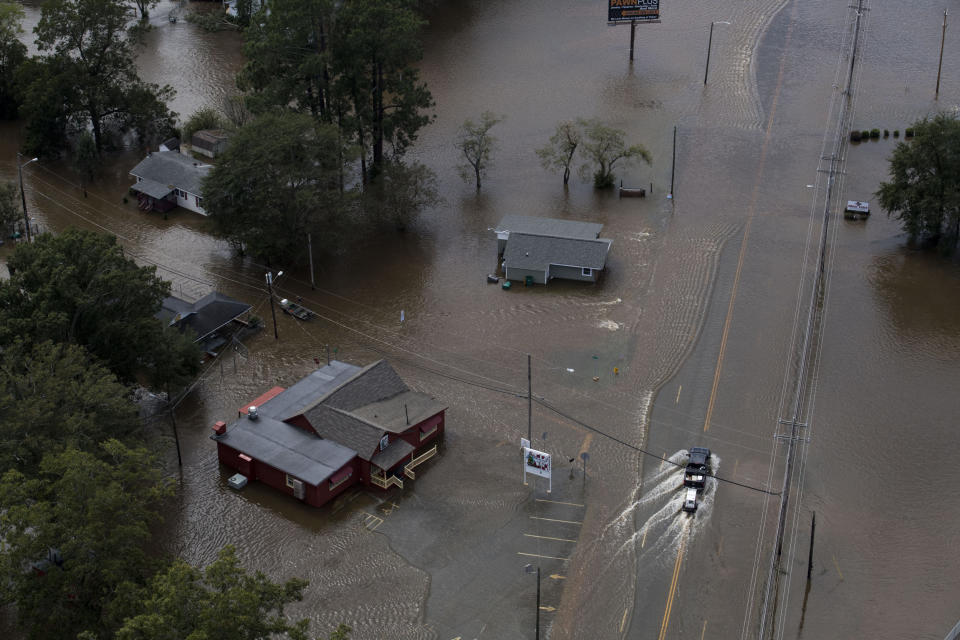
690,500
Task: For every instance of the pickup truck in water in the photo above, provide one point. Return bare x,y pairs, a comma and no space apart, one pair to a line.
698,468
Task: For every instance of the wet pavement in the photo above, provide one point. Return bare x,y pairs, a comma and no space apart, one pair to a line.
709,281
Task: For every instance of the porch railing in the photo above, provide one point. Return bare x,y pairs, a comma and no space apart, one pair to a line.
423,457
385,483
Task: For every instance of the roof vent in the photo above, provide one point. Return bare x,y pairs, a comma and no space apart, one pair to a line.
252,412
219,428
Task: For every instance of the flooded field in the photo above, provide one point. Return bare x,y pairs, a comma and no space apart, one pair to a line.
707,281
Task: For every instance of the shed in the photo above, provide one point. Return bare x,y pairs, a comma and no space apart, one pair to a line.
210,142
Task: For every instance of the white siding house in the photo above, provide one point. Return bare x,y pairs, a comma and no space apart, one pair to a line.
168,179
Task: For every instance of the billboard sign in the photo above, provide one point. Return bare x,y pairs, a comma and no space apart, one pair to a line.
633,10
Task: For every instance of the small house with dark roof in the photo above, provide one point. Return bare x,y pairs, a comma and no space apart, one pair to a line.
168,179
204,318
541,249
339,426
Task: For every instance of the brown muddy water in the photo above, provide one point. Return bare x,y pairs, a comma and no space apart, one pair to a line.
709,279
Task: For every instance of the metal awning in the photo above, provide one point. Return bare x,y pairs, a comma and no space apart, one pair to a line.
152,188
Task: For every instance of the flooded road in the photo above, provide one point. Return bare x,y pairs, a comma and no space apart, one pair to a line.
709,281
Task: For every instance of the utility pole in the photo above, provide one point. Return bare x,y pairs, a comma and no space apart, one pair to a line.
673,163
538,602
23,197
529,401
310,251
709,46
943,38
633,35
276,336
173,419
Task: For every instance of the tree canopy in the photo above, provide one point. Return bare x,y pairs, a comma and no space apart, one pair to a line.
79,288
924,187
221,601
75,532
279,179
559,153
13,53
53,398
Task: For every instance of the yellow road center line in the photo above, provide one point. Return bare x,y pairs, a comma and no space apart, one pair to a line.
704,631
837,565
572,504
624,620
736,464
663,458
586,443
746,237
644,541
555,520
678,394
535,555
673,590
530,535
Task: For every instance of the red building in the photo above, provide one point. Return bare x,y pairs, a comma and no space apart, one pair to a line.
340,425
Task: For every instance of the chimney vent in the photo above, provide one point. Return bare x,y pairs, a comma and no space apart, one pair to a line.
219,428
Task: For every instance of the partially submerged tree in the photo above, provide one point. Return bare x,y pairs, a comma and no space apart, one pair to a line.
203,118
89,48
924,187
74,533
605,146
476,143
13,54
401,191
144,6
86,159
220,601
559,153
10,211
277,181
79,288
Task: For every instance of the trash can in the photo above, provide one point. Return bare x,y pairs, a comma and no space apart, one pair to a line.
506,284
528,281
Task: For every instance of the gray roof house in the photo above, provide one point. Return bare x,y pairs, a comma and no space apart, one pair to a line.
540,249
167,179
203,317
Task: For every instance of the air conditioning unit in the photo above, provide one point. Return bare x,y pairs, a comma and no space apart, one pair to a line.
298,491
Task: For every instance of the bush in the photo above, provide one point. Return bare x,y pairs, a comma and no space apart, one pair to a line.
874,133
855,136
896,133
908,133
865,134
886,133
205,118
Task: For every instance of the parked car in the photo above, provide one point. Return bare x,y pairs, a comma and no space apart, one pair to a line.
690,500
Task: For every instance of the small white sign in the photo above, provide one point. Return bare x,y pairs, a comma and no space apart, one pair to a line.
537,463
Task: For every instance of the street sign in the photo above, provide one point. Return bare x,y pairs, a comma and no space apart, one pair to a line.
537,463
633,11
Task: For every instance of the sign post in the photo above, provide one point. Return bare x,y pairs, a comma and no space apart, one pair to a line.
632,11
537,463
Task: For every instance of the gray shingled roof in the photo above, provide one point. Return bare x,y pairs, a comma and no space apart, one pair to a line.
549,227
391,416
534,252
376,382
174,169
287,448
152,188
394,453
309,391
346,429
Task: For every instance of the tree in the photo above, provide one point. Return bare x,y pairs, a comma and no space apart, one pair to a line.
10,211
277,181
80,528
52,397
924,187
90,45
13,54
220,601
203,118
558,154
476,143
86,159
79,288
401,191
605,146
144,6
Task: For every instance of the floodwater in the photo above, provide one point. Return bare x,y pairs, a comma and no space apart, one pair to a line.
712,279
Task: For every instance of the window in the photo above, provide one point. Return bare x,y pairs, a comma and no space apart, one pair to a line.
336,481
587,271
426,432
384,441
199,201
290,480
